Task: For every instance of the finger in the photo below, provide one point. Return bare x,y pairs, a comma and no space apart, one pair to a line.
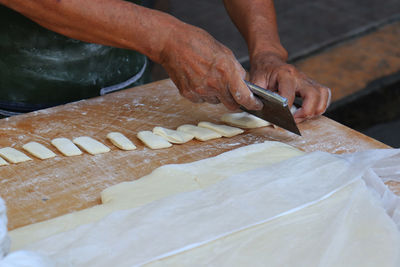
227,100
192,96
311,98
287,87
272,83
259,78
211,99
243,96
324,101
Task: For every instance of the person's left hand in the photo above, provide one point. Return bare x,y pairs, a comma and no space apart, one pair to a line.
271,72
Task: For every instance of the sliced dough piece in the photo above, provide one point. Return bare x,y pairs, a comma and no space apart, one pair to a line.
200,133
13,155
66,147
152,140
173,136
293,109
224,130
244,120
90,145
39,150
121,141
3,162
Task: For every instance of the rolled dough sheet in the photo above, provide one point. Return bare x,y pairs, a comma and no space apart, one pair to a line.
173,136
91,145
66,147
284,214
162,182
224,130
244,120
200,133
39,150
121,141
152,140
13,155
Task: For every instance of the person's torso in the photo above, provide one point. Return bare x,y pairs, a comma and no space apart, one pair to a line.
40,68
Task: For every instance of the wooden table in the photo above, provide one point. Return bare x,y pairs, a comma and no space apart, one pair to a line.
38,190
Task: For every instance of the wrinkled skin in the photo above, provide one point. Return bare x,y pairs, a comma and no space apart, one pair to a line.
203,69
269,71
206,71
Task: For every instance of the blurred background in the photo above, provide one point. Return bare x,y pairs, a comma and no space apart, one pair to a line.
351,46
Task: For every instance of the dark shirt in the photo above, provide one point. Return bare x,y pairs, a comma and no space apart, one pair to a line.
40,68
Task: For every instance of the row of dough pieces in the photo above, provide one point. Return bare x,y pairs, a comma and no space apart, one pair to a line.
159,138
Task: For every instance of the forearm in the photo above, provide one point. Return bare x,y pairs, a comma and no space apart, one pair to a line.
256,21
109,22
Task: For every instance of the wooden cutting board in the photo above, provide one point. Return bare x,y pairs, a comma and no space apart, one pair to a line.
38,190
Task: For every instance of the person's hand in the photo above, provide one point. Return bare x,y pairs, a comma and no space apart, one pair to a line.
204,70
271,72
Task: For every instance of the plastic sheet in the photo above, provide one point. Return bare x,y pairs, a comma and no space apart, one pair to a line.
311,210
4,239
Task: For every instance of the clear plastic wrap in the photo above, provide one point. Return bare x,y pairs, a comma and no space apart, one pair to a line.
312,210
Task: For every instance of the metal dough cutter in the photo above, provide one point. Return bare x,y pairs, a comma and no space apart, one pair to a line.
275,110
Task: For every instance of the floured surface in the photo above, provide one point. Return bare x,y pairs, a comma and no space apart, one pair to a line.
317,214
38,190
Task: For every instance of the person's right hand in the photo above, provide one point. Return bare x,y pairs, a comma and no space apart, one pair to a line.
204,70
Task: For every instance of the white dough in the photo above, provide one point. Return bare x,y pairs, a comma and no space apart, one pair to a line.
244,120
66,147
18,258
202,134
3,162
162,182
153,141
39,150
224,130
173,136
4,238
13,155
90,145
309,210
121,141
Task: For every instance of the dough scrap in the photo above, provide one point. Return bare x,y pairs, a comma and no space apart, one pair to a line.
244,120
3,162
200,133
13,155
121,141
66,147
91,145
39,150
152,140
224,130
173,136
